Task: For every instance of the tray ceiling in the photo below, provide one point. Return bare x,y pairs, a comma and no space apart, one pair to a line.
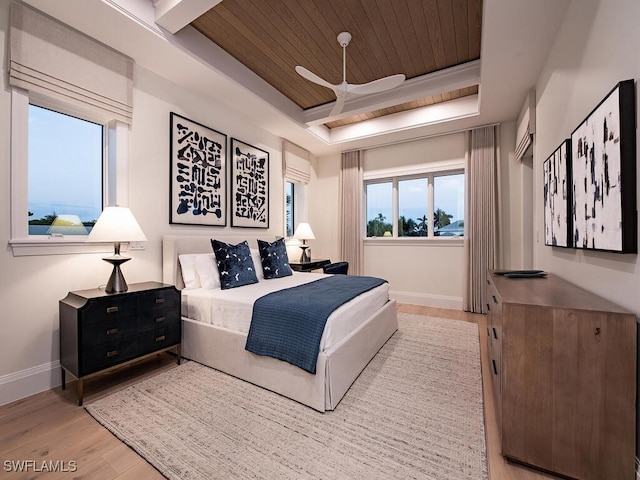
416,38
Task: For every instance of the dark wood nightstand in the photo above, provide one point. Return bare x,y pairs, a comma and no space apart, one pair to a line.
101,331
308,266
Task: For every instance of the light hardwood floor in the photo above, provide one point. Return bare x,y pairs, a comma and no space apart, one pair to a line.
50,427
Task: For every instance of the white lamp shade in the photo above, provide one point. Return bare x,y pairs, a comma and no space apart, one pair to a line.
303,232
116,224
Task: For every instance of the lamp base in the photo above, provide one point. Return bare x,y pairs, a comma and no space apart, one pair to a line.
116,283
304,258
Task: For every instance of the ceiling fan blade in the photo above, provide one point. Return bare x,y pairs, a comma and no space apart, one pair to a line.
341,97
312,77
380,85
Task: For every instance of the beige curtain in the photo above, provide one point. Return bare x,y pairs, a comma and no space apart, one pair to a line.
351,210
482,215
49,58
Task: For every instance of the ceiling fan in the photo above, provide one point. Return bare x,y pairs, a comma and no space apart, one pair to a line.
345,90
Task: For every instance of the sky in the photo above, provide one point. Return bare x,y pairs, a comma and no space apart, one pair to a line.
65,165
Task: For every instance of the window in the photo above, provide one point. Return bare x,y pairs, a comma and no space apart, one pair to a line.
448,213
424,205
413,207
294,205
107,175
379,209
65,165
289,195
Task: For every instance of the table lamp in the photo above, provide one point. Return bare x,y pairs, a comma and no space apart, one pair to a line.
303,232
116,225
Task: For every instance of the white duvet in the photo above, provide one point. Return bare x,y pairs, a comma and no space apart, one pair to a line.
232,308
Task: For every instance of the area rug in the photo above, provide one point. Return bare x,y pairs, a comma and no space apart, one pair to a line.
416,411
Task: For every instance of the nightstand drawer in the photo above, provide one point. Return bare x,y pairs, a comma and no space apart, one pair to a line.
108,308
108,354
110,330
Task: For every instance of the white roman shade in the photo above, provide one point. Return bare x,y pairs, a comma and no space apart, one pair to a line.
296,162
51,59
526,127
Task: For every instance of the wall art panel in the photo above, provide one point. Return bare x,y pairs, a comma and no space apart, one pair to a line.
557,193
604,175
198,186
249,186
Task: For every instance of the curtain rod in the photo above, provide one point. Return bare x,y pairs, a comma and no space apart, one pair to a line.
424,137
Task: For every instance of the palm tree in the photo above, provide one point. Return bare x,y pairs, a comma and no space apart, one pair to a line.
377,226
441,218
423,226
407,228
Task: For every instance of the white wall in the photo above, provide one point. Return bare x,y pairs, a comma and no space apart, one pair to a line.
30,287
596,47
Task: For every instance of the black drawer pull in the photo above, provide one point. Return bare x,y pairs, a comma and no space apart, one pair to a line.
488,334
159,300
161,338
112,353
495,300
112,331
112,309
159,319
495,334
488,307
495,369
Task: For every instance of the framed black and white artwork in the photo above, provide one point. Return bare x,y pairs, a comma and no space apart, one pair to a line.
603,149
557,194
198,186
249,186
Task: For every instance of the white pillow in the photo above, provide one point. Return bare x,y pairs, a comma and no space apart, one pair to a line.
257,263
207,270
189,274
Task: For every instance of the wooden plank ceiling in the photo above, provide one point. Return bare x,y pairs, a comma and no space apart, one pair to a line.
414,37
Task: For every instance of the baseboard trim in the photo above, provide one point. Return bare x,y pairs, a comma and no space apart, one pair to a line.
426,300
30,381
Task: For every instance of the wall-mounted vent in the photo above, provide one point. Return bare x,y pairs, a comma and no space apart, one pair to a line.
526,127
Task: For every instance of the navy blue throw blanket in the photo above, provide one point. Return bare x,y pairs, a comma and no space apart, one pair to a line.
288,324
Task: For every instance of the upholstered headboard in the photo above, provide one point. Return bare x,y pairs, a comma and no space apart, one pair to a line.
175,245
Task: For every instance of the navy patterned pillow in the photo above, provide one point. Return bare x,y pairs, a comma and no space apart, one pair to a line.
275,262
235,264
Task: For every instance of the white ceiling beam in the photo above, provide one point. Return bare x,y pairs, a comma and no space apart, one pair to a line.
173,15
442,81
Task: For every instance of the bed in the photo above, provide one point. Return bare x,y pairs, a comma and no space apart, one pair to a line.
214,332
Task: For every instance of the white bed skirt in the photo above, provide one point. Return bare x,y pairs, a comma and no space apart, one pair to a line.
336,368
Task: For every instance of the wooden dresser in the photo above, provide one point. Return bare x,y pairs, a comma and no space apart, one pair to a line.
564,377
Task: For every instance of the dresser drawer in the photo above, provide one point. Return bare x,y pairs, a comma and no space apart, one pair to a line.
108,308
160,337
158,300
108,354
159,318
109,330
